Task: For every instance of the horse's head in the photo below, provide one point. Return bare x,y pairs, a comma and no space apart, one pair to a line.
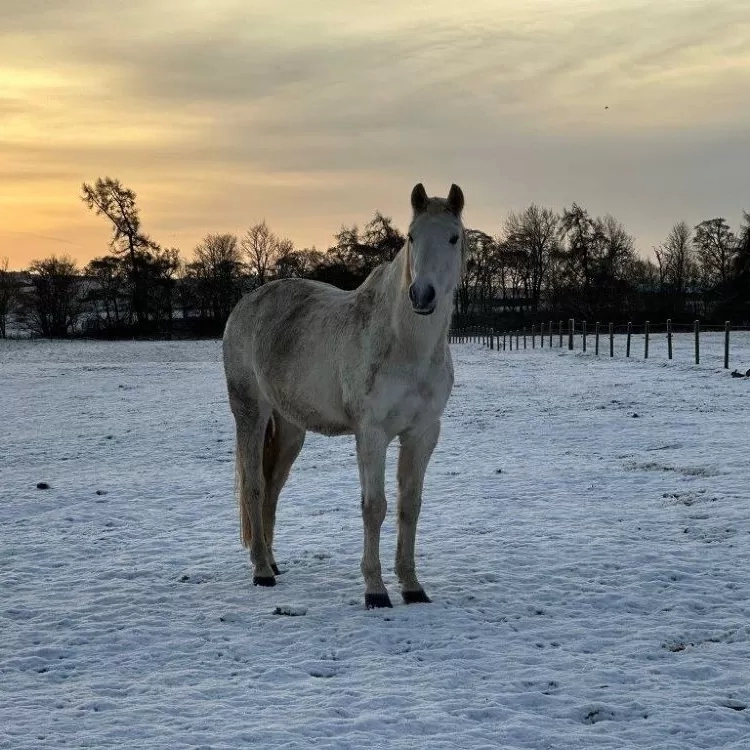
436,246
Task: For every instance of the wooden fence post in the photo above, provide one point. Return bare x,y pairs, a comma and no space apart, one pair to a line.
726,345
645,341
518,337
697,328
524,337
550,334
584,335
533,336
571,328
596,338
669,338
492,339
560,331
611,340
541,335
630,333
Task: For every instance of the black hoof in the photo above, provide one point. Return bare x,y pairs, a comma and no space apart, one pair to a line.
415,597
264,581
275,569
377,601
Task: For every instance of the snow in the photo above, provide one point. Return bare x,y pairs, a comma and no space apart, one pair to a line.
588,568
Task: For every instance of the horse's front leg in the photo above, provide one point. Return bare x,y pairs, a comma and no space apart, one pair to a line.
371,448
414,455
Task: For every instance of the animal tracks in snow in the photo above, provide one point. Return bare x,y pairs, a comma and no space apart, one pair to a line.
687,471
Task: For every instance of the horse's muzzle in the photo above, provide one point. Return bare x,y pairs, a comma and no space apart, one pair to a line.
422,297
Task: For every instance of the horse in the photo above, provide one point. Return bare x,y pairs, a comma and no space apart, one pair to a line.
374,362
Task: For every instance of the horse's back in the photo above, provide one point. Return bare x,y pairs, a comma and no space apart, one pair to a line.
276,314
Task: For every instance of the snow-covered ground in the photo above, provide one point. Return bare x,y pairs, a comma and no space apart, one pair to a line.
590,568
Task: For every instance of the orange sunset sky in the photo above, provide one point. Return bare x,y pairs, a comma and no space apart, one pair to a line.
313,114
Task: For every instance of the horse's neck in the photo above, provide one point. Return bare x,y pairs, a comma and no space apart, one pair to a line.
422,337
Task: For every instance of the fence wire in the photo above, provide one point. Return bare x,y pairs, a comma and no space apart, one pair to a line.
645,341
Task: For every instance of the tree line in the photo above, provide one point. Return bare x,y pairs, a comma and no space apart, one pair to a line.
540,264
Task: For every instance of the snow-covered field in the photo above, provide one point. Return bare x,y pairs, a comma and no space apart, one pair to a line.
590,568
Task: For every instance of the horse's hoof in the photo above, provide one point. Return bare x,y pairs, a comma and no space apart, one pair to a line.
275,569
415,597
264,581
377,601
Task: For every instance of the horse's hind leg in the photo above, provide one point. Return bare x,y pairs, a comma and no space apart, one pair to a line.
252,420
282,447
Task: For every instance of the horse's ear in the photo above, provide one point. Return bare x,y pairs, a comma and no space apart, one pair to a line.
456,200
419,198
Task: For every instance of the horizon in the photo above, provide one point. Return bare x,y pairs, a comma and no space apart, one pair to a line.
219,116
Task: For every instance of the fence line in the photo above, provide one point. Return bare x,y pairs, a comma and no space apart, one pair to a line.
491,337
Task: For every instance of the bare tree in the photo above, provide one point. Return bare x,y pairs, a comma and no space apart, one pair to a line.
382,240
742,256
109,291
534,234
298,264
8,295
262,247
618,247
107,197
160,268
584,253
217,273
614,268
676,260
478,283
361,252
54,304
716,245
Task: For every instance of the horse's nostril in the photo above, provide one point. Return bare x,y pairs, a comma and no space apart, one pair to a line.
422,296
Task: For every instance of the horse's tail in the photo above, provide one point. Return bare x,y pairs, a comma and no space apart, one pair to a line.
243,499
242,488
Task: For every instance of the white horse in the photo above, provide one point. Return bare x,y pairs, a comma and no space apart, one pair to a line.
374,362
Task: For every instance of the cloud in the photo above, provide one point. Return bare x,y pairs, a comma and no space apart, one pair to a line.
310,112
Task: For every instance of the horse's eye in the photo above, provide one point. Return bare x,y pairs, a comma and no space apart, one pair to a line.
410,238
454,239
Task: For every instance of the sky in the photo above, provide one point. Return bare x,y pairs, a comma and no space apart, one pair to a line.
311,115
